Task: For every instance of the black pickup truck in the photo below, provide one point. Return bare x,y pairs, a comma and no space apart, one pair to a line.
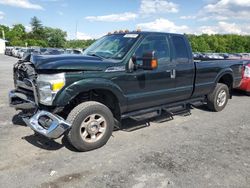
121,75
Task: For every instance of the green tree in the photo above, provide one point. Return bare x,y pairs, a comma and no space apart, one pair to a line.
78,43
6,30
202,44
222,44
55,37
16,35
229,43
37,28
36,42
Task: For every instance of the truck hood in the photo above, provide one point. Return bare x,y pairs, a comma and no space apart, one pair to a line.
70,62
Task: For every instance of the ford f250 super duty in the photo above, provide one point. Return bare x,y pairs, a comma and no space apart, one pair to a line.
121,75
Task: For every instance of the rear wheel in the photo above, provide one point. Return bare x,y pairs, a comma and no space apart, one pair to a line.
92,126
217,100
248,93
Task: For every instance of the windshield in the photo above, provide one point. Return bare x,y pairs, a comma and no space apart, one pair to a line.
112,46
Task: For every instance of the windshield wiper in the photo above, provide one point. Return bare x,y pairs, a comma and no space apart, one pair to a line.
95,55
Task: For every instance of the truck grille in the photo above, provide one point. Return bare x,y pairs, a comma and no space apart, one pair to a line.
24,74
23,70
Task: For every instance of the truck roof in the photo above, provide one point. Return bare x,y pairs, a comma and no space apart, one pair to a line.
143,33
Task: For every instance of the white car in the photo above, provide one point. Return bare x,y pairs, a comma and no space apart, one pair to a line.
21,53
14,51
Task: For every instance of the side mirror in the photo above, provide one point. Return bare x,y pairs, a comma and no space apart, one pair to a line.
149,61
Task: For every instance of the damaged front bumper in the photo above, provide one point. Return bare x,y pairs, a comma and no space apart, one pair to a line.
21,101
47,124
42,122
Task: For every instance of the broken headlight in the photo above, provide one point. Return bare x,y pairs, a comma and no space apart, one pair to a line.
48,86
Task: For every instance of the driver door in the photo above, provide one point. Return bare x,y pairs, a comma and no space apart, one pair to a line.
149,88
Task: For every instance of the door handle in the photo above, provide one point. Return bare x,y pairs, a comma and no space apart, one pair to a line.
173,74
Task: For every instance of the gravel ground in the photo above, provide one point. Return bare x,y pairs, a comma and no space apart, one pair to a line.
205,149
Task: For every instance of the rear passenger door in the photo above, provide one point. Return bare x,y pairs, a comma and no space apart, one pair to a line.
185,68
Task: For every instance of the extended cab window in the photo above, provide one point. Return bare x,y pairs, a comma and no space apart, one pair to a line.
180,47
159,44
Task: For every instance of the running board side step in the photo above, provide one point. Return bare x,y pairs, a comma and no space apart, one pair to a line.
171,110
159,116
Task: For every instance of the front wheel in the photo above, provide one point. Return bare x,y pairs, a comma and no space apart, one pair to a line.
92,126
217,100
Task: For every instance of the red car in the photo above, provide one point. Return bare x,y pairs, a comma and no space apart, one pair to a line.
245,82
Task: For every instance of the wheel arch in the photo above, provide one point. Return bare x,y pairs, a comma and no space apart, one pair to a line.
226,77
101,90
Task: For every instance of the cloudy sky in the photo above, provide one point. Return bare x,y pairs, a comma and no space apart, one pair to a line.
84,19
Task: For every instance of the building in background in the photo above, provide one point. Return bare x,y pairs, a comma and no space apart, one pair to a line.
2,46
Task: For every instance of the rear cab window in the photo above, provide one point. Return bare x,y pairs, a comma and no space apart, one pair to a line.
180,48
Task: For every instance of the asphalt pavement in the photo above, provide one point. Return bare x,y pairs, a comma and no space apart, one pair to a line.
205,149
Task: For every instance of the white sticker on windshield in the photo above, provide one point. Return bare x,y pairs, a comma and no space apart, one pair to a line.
131,36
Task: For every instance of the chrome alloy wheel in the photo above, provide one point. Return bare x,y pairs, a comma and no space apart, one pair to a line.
93,128
221,99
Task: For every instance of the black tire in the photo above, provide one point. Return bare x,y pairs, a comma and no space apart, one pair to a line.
248,93
212,98
76,118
